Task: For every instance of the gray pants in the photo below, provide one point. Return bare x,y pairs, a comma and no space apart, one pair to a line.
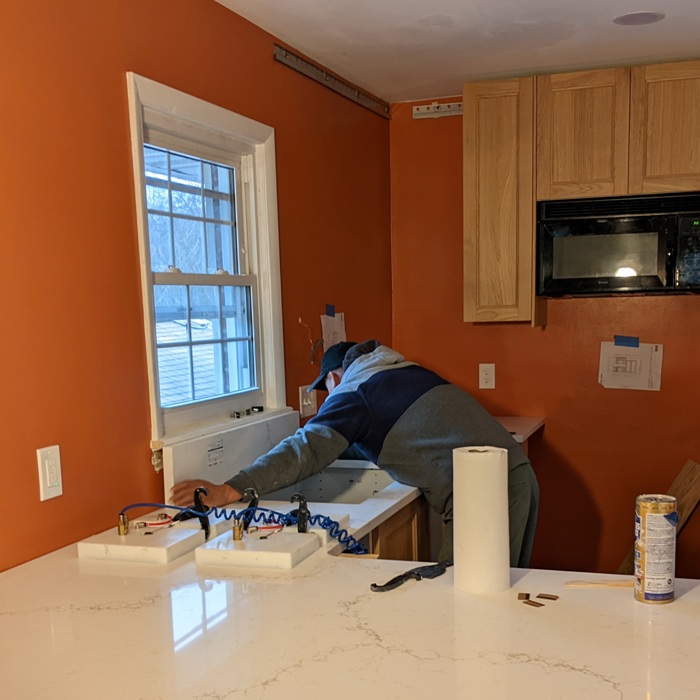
523,501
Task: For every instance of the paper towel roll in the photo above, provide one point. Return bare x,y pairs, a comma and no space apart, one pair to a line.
481,541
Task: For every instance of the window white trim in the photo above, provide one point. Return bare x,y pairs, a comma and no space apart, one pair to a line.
153,105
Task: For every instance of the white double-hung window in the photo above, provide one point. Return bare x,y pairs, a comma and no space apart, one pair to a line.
206,204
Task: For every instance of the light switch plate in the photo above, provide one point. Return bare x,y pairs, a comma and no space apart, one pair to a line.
308,403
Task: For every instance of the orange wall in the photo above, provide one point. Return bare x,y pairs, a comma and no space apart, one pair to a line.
600,447
72,364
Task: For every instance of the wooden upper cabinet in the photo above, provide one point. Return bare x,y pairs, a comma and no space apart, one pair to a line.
583,133
498,119
599,133
665,128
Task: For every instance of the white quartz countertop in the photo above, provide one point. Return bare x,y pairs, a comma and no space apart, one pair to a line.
73,628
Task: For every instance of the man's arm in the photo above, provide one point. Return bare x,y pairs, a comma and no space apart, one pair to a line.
307,452
297,457
312,448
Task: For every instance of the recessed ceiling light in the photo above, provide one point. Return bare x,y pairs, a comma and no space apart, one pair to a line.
638,18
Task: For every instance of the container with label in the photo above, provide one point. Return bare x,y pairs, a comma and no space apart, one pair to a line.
655,525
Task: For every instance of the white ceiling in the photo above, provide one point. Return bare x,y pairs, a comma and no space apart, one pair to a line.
403,50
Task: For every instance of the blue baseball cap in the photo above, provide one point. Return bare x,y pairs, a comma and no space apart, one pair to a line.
332,359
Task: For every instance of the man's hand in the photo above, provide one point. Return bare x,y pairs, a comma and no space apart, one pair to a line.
182,494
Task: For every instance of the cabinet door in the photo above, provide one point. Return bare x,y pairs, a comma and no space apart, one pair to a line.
498,200
582,133
405,535
665,128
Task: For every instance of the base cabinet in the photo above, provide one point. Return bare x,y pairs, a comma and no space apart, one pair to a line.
405,535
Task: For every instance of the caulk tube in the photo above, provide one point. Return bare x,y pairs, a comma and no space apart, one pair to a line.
480,500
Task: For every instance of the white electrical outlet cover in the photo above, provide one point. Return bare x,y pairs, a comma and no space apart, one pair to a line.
487,376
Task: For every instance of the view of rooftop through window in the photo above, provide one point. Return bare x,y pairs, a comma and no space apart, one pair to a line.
203,312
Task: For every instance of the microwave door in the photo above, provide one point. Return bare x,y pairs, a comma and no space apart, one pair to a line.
619,255
593,257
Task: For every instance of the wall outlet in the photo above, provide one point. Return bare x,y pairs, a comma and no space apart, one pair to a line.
487,376
50,479
308,403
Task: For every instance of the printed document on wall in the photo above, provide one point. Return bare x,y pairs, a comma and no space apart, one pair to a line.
333,328
623,367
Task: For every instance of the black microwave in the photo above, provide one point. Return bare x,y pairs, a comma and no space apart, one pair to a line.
619,245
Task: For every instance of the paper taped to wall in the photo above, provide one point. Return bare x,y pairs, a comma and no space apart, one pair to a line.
333,328
625,367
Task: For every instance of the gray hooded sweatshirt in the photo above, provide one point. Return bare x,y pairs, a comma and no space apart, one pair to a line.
399,415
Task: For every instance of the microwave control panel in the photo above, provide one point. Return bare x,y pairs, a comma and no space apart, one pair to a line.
688,252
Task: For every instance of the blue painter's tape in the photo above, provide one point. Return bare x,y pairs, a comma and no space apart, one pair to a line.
628,341
330,310
672,518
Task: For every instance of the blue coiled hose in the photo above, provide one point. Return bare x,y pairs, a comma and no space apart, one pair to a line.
267,516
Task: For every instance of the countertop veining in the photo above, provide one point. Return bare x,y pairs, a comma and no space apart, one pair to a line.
74,629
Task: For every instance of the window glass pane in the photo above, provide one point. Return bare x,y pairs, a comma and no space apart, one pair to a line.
187,202
218,178
188,239
160,242
186,178
240,367
200,235
217,208
186,170
205,341
207,370
157,196
174,372
237,313
157,176
156,163
171,310
205,313
204,333
219,249
219,186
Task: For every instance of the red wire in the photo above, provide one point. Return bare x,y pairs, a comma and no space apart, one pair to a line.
157,523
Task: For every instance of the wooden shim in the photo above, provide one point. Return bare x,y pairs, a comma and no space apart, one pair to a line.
686,489
600,583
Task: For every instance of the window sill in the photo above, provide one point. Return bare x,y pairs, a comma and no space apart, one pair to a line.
209,429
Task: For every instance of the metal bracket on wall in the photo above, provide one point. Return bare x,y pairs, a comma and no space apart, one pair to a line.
437,109
292,60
